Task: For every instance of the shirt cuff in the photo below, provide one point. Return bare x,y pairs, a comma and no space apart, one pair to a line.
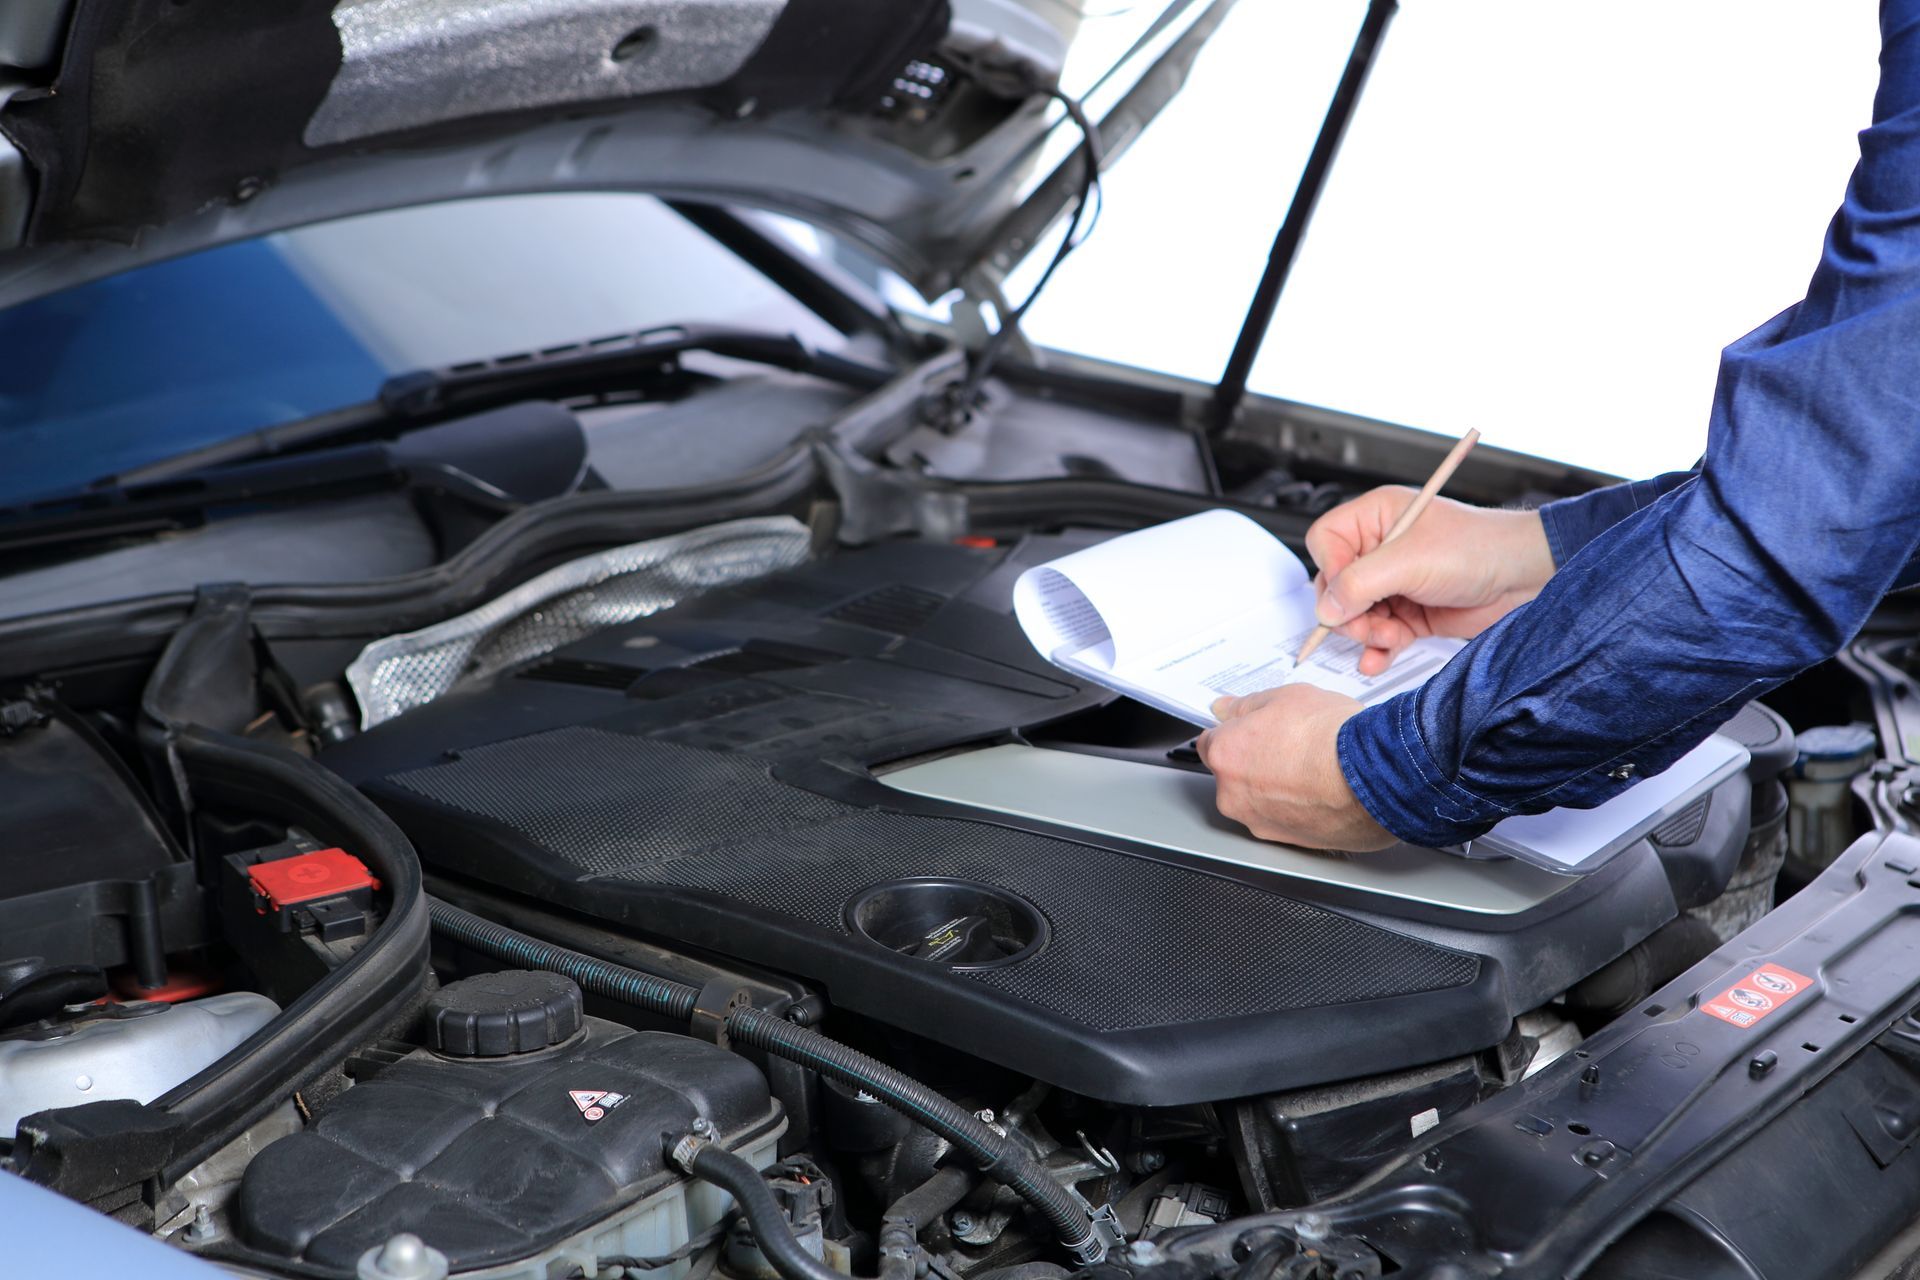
1571,523
1394,777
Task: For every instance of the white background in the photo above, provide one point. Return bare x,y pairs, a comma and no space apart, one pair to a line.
1546,221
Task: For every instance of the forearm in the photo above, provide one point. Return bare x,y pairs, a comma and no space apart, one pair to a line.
1801,517
1667,621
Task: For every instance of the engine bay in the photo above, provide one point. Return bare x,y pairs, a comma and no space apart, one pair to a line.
803,908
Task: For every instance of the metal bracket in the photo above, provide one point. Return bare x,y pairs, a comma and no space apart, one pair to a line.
716,1003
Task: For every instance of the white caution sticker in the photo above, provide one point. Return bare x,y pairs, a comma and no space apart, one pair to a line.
594,1104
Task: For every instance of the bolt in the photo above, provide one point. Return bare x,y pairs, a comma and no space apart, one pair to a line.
984,1115
1311,1228
1591,1075
203,1228
703,1126
961,1221
1151,1159
1596,1153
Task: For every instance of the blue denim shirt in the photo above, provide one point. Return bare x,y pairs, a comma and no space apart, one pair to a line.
1678,599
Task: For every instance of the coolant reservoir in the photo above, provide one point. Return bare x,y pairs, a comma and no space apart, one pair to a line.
523,1139
136,1051
1819,791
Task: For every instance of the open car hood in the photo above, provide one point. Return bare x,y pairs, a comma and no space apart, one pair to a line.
136,130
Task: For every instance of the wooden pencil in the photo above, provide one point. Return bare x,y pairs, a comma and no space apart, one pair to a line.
1441,474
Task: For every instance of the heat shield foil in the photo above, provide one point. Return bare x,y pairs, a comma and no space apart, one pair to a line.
406,64
398,673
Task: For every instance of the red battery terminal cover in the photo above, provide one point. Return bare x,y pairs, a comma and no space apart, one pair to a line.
324,873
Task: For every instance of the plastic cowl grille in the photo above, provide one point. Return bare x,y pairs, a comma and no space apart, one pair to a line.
399,673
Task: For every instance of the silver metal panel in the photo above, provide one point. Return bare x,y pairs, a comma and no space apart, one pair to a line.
409,63
1173,809
139,1057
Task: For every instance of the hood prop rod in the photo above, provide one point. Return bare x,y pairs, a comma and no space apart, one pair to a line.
1232,387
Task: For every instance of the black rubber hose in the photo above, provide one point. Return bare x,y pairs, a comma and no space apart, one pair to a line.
932,1198
1647,966
771,1231
664,996
348,1005
997,1155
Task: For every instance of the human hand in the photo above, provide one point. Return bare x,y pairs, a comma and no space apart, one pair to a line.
1277,773
1456,572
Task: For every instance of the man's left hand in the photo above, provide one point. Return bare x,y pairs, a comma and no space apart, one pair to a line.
1276,770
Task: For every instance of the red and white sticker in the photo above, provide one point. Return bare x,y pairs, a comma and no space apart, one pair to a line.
1756,995
595,1103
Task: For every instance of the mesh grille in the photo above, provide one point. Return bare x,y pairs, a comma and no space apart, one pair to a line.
606,802
1684,827
899,608
1752,728
1135,943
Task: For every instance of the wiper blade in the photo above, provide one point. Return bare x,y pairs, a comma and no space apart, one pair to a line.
490,462
647,362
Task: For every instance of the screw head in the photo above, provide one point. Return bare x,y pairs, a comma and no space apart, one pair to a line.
1310,1227
961,1221
703,1126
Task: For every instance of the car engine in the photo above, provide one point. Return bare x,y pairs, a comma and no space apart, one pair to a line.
737,909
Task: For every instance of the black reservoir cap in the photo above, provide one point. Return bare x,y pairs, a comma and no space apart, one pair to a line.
495,1014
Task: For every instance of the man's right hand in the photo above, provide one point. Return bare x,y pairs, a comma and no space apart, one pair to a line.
1456,572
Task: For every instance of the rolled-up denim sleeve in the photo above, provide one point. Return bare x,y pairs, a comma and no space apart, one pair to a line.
1683,601
1571,523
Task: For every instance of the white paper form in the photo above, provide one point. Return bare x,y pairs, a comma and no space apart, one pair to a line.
1213,604
1572,841
1181,613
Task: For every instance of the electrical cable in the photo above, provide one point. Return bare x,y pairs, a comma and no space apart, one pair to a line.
1086,214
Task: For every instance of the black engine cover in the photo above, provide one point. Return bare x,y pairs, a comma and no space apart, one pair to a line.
703,777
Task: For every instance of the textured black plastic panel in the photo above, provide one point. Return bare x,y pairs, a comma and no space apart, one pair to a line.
1104,968
607,802
1135,943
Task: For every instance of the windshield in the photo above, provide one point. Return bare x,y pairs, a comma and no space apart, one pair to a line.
141,366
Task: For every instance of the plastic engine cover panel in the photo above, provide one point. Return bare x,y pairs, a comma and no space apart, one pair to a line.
489,1160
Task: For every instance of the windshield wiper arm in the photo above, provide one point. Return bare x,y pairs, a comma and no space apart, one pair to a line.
647,361
490,463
